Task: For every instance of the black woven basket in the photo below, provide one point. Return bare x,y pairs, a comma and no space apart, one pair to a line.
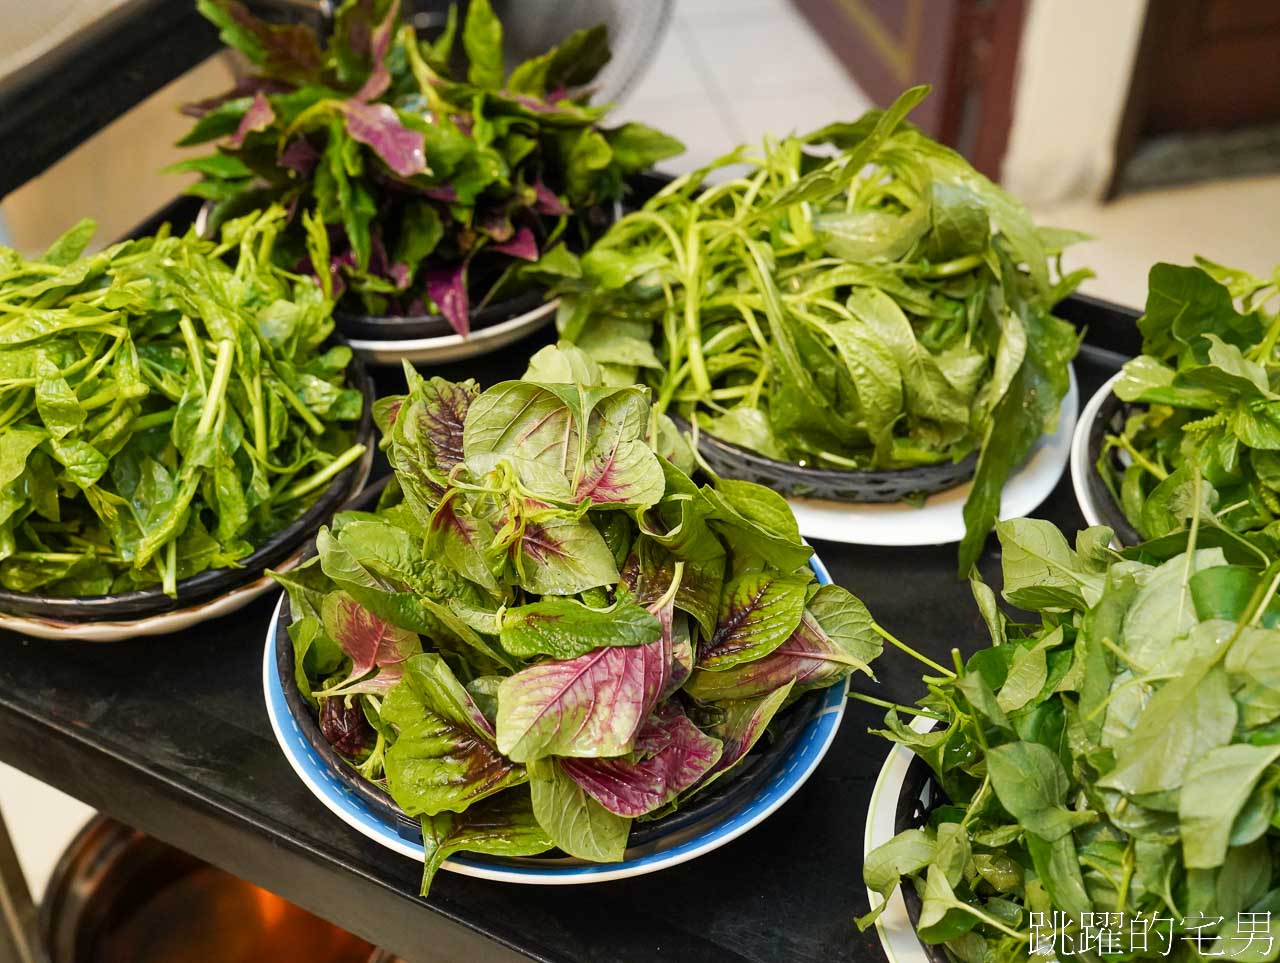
919,797
212,583
1109,420
735,461
727,795
367,327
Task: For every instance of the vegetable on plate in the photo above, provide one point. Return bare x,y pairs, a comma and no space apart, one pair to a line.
1118,755
166,406
1203,403
548,629
856,298
414,187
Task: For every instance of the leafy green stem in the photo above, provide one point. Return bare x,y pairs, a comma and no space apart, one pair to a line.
325,474
919,657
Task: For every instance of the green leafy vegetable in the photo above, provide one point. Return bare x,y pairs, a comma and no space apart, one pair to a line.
1204,407
413,190
1119,757
546,596
167,405
886,307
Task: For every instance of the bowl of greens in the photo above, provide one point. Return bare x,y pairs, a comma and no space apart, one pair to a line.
546,621
1115,756
859,300
421,175
1196,407
178,418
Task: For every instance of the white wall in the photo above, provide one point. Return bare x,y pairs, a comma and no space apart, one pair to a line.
1073,77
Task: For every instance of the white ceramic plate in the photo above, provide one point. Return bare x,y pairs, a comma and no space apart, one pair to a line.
454,347
161,624
671,850
1081,467
941,519
897,936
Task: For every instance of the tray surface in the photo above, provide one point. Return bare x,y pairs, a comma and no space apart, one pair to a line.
172,735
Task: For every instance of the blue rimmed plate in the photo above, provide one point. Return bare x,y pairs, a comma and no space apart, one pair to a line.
683,843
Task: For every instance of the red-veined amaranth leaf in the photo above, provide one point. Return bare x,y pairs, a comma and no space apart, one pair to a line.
462,539
378,126
300,157
443,758
589,706
834,638
344,726
258,117
289,52
758,612
380,41
683,755
547,201
367,639
447,287
522,244
744,723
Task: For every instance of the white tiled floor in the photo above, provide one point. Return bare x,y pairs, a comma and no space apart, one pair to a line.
730,71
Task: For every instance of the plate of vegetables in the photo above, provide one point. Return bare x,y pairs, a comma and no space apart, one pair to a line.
422,175
177,420
1197,407
548,654
1110,765
857,307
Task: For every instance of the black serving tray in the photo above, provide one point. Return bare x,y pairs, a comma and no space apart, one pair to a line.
176,741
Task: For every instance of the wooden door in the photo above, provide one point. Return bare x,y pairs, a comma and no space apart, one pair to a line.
966,49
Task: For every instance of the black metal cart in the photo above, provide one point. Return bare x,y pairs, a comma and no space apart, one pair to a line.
171,734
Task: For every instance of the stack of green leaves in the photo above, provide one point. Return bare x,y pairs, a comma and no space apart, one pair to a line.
547,629
426,188
161,411
1206,383
885,308
1119,757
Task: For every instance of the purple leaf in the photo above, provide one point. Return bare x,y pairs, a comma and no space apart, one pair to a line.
443,756
344,726
380,78
379,126
548,203
259,116
245,86
681,660
758,612
299,156
463,540
633,788
835,637
524,245
621,473
562,555
447,287
744,723
368,640
288,52
590,706
446,194
496,224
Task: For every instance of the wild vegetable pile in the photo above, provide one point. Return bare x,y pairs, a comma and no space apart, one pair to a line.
547,629
1206,383
1119,757
885,308
161,412
410,188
